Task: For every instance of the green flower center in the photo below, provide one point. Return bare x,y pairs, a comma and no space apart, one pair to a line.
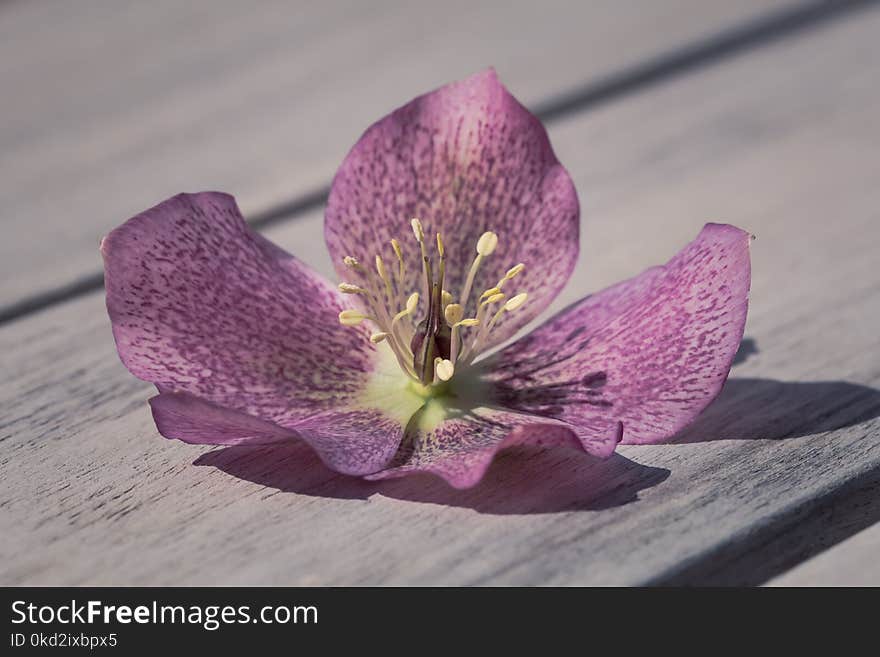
404,399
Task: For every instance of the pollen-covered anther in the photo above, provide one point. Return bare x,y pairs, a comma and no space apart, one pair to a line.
511,273
401,264
376,338
516,301
412,302
385,278
487,243
418,231
348,288
380,268
453,313
395,245
443,368
352,317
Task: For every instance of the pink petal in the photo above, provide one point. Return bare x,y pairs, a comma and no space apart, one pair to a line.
465,159
182,416
201,304
352,441
651,352
460,449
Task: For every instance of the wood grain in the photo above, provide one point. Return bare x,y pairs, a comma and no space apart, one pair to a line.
114,105
855,562
783,142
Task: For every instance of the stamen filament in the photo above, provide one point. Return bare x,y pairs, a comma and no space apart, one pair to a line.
401,270
456,340
511,273
411,305
485,246
512,304
383,274
469,283
433,350
470,352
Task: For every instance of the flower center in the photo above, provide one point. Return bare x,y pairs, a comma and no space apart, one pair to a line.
444,341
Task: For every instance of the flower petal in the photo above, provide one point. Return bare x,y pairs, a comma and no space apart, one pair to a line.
182,416
465,159
352,441
201,304
651,352
460,449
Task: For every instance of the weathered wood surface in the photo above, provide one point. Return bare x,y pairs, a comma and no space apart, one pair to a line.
855,562
110,106
783,142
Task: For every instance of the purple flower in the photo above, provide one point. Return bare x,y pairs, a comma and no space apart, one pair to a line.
387,374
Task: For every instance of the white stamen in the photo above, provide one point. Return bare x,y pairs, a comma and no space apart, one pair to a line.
487,243
411,305
380,268
348,288
352,317
418,231
383,290
401,267
453,313
412,302
383,274
515,302
444,369
511,273
397,250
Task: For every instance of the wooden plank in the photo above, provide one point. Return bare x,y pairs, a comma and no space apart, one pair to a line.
117,104
855,562
783,142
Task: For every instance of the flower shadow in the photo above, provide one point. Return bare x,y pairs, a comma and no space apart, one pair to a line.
752,408
766,409
531,480
522,480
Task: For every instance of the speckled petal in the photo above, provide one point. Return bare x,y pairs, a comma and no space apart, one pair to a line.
651,352
352,441
465,159
201,304
461,448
